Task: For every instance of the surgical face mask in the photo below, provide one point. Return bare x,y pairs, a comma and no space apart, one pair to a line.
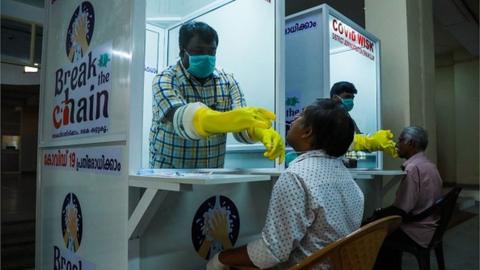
201,66
347,103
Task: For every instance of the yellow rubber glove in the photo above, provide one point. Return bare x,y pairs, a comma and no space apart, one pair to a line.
207,121
274,145
378,141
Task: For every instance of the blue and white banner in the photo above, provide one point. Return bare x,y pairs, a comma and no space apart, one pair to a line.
82,94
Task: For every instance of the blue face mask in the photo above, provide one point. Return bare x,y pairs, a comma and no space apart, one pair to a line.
201,66
347,103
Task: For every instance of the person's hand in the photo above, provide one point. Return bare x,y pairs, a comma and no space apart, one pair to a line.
215,264
218,229
273,142
207,121
381,140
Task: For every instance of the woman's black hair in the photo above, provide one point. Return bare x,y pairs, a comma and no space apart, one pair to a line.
332,127
192,28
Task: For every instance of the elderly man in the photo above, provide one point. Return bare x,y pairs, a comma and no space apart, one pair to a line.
419,190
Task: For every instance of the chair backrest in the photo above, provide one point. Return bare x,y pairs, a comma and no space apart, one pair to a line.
445,206
356,251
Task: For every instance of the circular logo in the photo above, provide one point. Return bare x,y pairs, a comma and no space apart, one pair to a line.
80,31
215,226
72,222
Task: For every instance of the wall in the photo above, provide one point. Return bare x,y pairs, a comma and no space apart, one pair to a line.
173,8
13,74
445,111
354,10
405,29
457,100
466,124
395,93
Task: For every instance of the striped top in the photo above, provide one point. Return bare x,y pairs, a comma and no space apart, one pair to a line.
169,145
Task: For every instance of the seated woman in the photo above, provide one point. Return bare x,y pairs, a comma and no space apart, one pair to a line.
314,202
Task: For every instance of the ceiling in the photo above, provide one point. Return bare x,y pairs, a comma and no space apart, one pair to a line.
35,3
455,21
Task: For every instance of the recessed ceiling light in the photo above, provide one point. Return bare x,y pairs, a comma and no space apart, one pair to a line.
30,69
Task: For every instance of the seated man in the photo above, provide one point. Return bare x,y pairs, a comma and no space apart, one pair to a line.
419,190
314,202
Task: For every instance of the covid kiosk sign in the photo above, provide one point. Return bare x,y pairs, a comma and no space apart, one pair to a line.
82,87
349,37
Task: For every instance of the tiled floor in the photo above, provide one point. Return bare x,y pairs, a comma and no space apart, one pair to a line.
18,197
461,243
18,221
460,247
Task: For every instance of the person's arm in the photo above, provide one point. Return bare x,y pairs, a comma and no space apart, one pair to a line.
408,190
166,97
271,139
405,199
238,100
381,140
288,218
195,121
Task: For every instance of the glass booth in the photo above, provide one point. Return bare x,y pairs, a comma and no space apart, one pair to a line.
323,47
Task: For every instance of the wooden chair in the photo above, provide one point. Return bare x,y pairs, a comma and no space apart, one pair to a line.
356,251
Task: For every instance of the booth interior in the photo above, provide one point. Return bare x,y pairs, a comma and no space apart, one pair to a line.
171,209
246,49
281,64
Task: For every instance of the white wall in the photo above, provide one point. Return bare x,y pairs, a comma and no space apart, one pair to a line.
173,8
395,93
467,122
445,111
154,64
405,29
457,99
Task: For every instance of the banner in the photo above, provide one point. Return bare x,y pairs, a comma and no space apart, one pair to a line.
104,160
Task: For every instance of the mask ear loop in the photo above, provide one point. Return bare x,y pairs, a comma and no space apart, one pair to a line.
339,99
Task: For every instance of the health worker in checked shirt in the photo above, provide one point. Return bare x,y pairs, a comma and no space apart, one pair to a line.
195,105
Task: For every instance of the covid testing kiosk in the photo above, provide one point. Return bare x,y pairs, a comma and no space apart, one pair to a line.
324,47
99,205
